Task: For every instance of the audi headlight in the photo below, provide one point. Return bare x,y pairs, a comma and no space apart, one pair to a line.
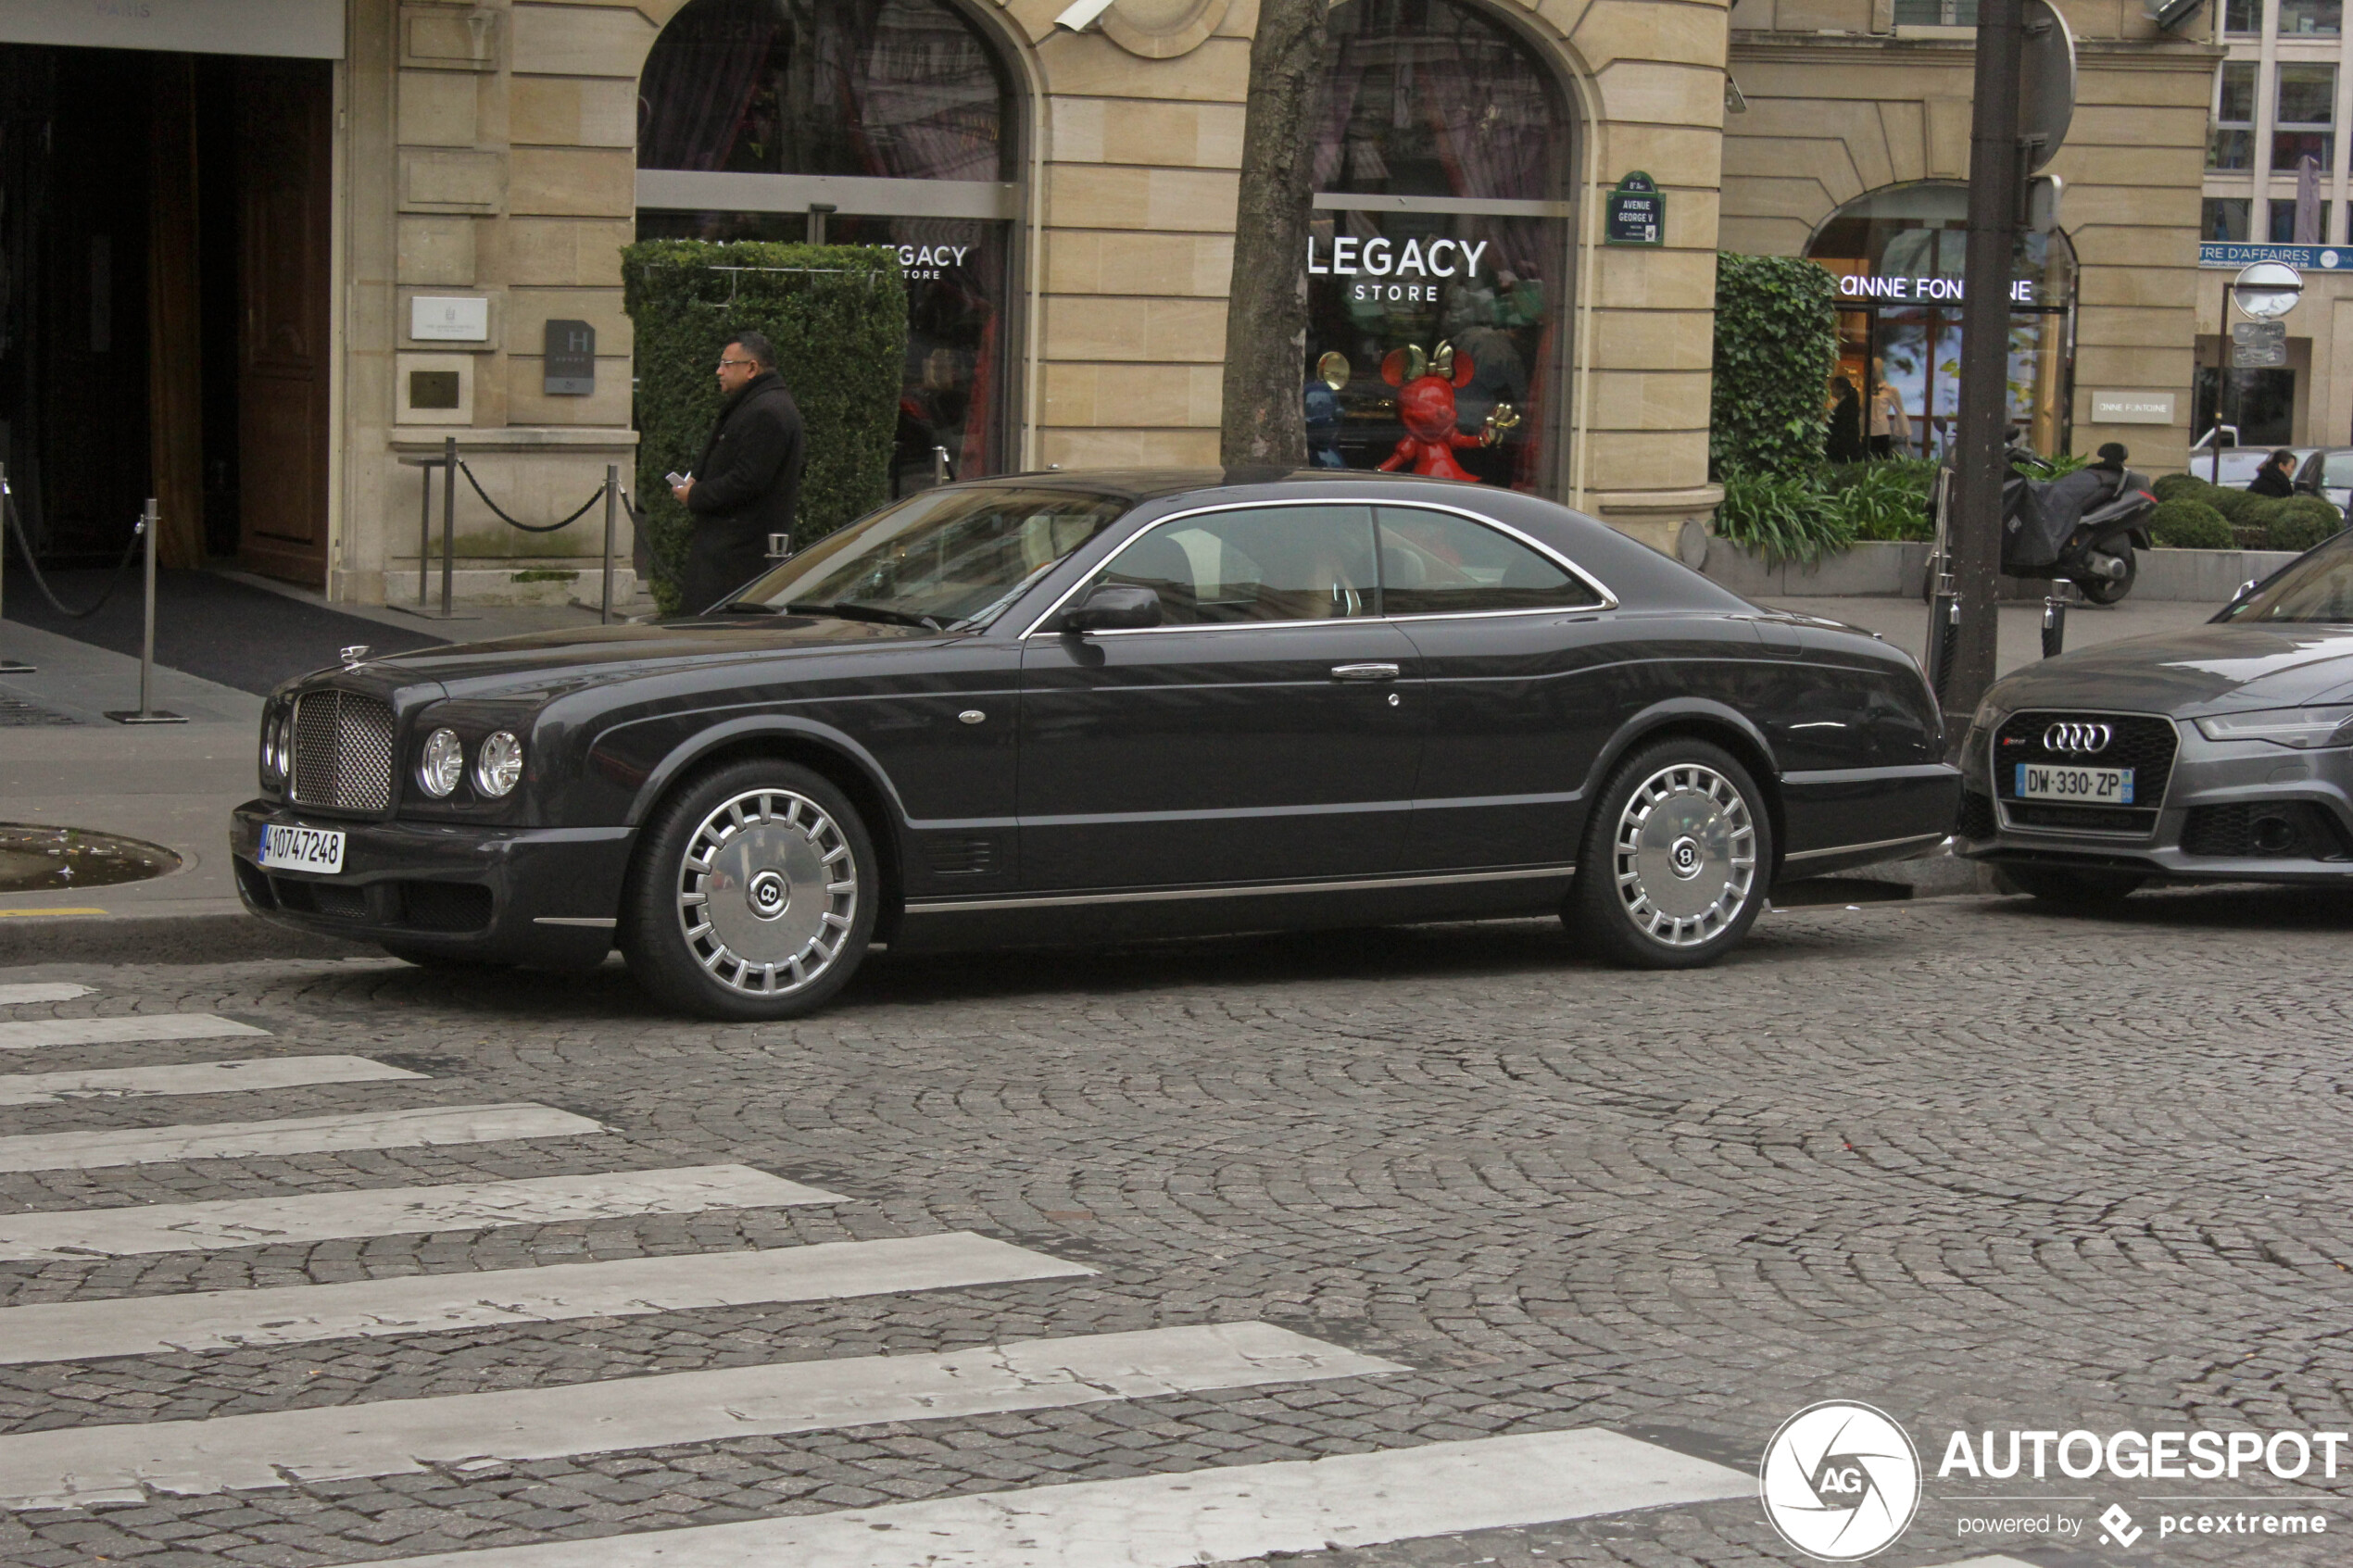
1989,715
443,761
498,765
2304,729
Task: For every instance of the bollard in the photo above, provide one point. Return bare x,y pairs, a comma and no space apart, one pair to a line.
2054,625
1943,641
148,713
940,473
613,502
448,520
8,666
425,533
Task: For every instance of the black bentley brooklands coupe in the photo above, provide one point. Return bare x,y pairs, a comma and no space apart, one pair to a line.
1100,706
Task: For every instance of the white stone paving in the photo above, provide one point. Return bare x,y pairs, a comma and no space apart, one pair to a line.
1185,1518
214,1319
455,1206
94,1148
76,1465
41,991
195,1078
29,1033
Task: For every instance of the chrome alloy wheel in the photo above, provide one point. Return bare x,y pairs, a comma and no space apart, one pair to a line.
1684,855
767,893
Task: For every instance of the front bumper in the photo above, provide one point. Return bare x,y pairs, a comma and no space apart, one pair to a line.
537,896
2233,811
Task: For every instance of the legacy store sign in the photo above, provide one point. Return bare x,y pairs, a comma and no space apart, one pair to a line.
1380,257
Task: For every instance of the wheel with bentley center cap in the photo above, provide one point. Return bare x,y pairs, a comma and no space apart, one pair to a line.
753,895
1677,858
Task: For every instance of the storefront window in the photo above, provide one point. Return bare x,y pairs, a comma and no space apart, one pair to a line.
891,114
1433,320
1899,255
2230,144
2282,222
2304,18
2243,15
2223,218
2304,111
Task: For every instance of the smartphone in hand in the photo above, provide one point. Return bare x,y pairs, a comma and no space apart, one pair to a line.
676,479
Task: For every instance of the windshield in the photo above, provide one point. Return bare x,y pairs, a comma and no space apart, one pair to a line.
2318,588
943,559
2337,473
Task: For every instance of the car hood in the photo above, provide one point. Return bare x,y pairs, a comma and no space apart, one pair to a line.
551,663
2204,668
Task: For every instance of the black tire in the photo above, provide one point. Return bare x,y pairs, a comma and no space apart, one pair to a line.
2065,886
436,959
2109,590
1715,822
781,929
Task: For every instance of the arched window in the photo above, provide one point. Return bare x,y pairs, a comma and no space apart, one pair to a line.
1900,256
855,123
1443,172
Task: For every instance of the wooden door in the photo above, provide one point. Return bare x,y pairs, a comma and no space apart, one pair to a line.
285,118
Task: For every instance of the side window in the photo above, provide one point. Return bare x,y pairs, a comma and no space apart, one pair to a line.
1271,563
1436,563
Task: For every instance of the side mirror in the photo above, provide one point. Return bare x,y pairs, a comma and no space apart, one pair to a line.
1115,607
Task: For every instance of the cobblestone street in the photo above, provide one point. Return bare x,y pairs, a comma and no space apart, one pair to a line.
1980,1165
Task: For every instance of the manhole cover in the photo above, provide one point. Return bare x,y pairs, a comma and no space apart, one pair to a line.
36,860
16,713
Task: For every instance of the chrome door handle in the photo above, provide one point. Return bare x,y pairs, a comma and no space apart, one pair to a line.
1363,671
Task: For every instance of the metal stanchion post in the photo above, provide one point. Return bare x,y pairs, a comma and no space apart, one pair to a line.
2054,622
939,470
448,520
425,530
8,666
148,713
612,507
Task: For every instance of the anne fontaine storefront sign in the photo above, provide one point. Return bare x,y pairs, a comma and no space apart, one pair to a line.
1379,257
1919,291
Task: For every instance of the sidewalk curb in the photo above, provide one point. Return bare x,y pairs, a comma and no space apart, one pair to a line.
164,939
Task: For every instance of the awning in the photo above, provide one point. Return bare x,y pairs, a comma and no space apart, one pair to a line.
299,29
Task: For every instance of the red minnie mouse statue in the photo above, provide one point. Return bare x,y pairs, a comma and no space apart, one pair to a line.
1426,407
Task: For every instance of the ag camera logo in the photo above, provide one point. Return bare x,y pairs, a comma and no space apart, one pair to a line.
1840,1481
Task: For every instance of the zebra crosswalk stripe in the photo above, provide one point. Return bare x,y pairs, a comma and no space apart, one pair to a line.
195,1078
335,1216
41,991
28,1034
96,1148
1195,1516
71,1466
213,1320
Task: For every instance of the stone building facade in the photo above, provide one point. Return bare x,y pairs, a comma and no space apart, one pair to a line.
1069,204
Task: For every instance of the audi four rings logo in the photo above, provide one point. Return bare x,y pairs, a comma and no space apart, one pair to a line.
2086,738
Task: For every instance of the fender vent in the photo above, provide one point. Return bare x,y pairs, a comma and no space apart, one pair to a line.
961,857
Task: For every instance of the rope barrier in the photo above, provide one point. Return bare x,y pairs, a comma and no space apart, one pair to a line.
467,468
16,523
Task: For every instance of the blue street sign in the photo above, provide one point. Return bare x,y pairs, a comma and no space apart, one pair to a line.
2234,254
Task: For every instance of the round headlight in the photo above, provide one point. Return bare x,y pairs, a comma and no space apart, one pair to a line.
444,760
498,765
274,764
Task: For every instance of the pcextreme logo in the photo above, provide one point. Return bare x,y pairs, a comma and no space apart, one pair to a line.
1839,1480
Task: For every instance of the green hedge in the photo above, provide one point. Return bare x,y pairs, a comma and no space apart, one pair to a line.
2252,522
838,315
1775,346
2186,524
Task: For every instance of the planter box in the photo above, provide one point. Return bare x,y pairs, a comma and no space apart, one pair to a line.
1874,569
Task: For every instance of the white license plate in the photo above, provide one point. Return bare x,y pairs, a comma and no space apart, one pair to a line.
2087,786
301,849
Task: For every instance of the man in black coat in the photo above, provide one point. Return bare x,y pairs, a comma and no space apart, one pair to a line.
748,480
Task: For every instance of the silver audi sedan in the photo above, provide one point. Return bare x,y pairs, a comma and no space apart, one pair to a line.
2220,754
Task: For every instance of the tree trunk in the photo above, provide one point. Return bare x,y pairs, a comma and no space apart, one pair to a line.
1264,422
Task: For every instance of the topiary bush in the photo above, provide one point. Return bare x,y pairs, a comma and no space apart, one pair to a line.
2185,524
838,315
2180,486
2300,522
1776,346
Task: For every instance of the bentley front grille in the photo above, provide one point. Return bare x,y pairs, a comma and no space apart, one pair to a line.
342,751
